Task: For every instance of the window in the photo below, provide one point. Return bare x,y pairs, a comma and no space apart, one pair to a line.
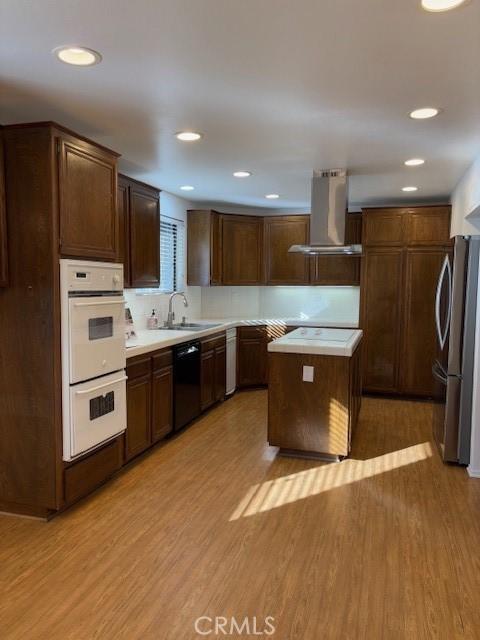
172,257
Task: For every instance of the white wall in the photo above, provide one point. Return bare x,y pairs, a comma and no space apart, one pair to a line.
466,203
474,467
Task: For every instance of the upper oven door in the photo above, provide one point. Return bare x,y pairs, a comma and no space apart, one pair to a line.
96,340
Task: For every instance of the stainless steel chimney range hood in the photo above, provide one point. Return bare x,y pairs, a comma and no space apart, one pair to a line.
327,220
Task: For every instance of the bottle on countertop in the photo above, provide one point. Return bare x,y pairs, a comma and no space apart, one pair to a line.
152,322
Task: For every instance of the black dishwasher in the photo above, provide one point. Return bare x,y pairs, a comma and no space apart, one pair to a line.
186,376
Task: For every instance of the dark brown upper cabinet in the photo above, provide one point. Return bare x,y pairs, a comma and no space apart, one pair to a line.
123,209
138,206
340,270
224,249
87,199
280,232
204,248
400,226
242,250
3,222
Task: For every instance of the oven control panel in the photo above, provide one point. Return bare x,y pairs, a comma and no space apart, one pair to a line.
83,276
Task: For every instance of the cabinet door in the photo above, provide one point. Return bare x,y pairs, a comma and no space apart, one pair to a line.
419,343
123,213
88,190
138,434
252,362
335,270
216,275
3,222
207,379
384,227
241,250
144,236
162,403
220,373
280,233
382,299
428,225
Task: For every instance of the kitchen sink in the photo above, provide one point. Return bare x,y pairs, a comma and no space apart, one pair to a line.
189,326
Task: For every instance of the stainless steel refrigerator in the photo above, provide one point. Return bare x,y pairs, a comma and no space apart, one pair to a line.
455,319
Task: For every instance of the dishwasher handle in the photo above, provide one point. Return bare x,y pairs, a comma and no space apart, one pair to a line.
187,351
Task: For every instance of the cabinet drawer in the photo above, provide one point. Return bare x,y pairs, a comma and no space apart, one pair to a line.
162,359
83,476
213,342
139,366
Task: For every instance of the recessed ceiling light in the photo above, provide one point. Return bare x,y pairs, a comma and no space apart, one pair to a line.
409,188
414,162
188,136
272,196
187,187
424,113
441,5
78,56
242,174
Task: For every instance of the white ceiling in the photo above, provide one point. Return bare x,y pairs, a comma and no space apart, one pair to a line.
276,86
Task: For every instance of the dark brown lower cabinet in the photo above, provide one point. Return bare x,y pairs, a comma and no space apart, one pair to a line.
162,403
213,370
149,401
138,436
252,353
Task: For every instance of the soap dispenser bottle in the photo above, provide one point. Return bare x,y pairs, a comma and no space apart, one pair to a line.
152,322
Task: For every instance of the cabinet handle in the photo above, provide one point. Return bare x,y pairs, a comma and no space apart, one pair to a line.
100,386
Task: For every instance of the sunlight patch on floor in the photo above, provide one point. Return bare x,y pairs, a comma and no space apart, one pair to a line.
305,484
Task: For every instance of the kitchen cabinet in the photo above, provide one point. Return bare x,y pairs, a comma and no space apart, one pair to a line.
138,436
3,222
204,248
252,356
162,396
138,207
123,213
340,270
252,352
422,266
382,305
226,249
149,401
212,370
61,194
403,252
87,199
280,232
242,238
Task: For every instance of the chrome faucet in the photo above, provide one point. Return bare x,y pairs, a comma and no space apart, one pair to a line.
171,315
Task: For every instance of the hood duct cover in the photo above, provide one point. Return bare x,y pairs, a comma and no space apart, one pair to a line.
327,220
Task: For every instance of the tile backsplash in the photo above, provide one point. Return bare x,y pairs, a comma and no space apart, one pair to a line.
332,304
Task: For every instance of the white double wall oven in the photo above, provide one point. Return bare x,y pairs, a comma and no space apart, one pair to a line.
93,354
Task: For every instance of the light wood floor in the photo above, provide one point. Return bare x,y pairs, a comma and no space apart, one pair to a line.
385,545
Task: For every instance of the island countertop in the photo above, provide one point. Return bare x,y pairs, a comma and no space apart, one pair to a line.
323,341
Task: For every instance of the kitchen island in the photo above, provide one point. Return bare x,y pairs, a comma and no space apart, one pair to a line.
314,391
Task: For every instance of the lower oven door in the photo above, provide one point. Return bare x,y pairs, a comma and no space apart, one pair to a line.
97,413
96,336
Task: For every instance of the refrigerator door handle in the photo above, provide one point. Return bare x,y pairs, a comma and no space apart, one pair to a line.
445,272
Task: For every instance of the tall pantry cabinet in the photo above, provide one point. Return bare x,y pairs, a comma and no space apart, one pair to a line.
403,253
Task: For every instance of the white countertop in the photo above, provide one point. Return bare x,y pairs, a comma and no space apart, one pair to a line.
154,339
324,341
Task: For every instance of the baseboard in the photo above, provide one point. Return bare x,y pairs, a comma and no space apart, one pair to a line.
473,473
